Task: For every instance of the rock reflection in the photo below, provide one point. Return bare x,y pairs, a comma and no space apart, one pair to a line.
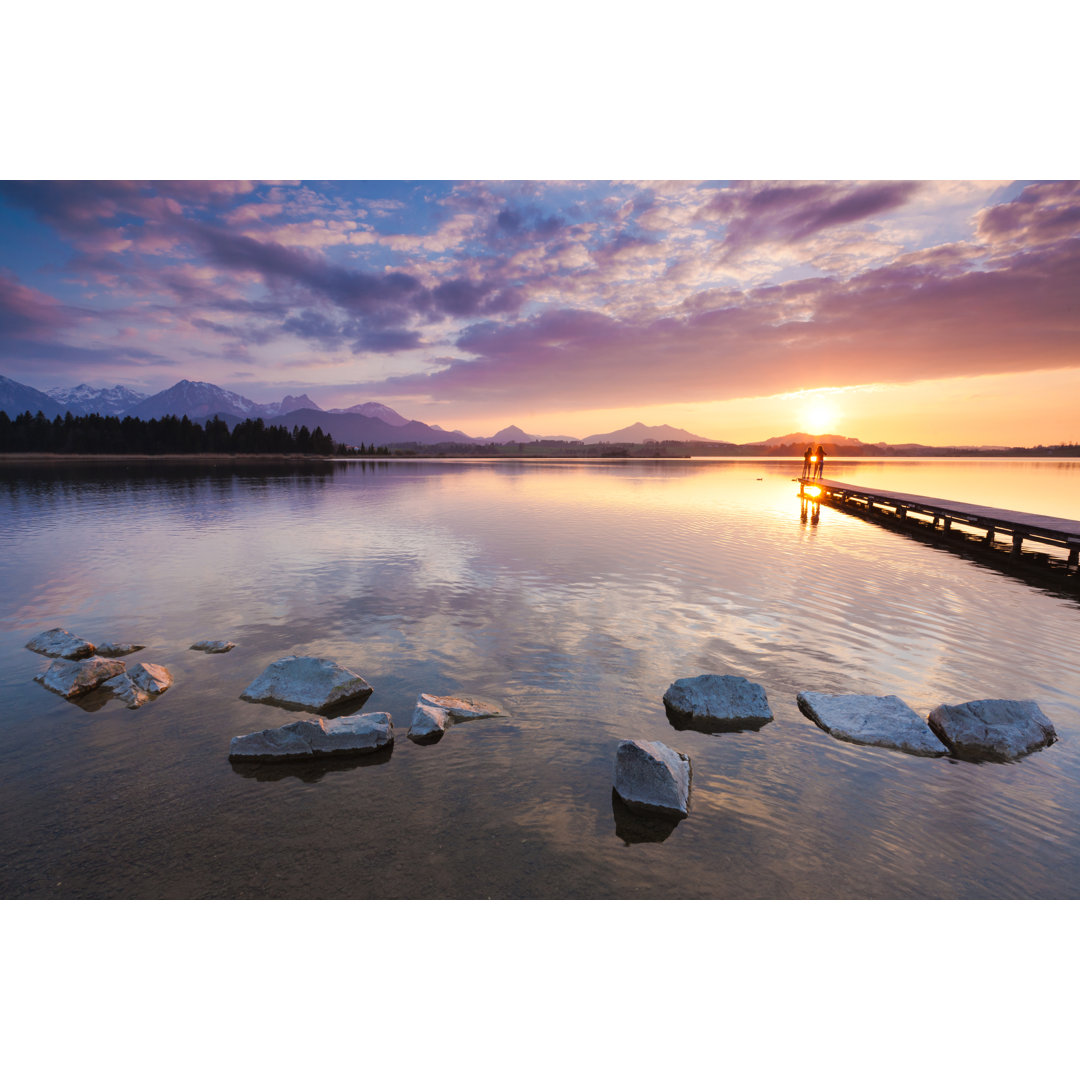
711,726
638,826
309,772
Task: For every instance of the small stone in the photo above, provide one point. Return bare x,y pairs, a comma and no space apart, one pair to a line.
214,646
116,648
994,729
59,643
717,701
434,714
651,776
872,721
316,736
151,678
306,682
70,678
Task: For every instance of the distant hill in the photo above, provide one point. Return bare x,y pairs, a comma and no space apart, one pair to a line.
806,439
17,398
355,428
377,411
640,433
82,400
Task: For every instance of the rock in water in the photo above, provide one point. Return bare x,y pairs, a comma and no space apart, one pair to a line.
717,701
116,648
151,678
433,714
60,643
70,678
123,688
651,776
872,721
993,729
307,682
214,646
316,736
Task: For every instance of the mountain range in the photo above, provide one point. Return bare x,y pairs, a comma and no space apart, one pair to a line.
369,422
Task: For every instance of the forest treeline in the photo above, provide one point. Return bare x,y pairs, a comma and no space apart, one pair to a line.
96,434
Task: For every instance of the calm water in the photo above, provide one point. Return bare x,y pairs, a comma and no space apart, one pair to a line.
573,592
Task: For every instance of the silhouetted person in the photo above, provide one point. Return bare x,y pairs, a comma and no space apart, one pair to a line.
807,466
820,461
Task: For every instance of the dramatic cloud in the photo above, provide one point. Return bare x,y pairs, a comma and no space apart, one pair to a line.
495,295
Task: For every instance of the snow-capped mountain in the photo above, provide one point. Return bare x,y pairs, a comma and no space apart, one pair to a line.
82,400
376,411
286,405
196,401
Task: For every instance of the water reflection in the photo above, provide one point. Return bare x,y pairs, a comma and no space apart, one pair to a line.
309,771
638,827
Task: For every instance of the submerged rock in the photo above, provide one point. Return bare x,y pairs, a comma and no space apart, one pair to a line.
70,678
872,721
651,776
717,702
214,646
316,736
433,714
116,648
60,643
993,729
306,682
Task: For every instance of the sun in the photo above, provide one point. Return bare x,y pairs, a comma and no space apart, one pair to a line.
818,417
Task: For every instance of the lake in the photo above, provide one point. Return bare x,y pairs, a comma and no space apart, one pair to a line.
574,592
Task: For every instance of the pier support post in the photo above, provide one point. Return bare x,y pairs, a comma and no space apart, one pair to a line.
1018,541
946,524
901,513
989,535
1074,556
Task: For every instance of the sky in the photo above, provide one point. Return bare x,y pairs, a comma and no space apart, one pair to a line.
899,311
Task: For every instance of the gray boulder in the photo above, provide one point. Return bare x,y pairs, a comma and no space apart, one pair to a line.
652,777
433,714
70,678
214,646
994,729
717,701
316,736
60,643
872,721
116,648
306,682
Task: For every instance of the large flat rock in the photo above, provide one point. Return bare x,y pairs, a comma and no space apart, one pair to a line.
433,714
61,644
652,777
316,736
70,678
306,682
872,721
717,702
994,729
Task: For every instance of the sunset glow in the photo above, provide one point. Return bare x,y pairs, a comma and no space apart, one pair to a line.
932,312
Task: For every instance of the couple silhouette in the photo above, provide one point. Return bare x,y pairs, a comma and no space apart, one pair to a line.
813,462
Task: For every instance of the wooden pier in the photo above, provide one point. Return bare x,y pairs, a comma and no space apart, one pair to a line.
948,519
